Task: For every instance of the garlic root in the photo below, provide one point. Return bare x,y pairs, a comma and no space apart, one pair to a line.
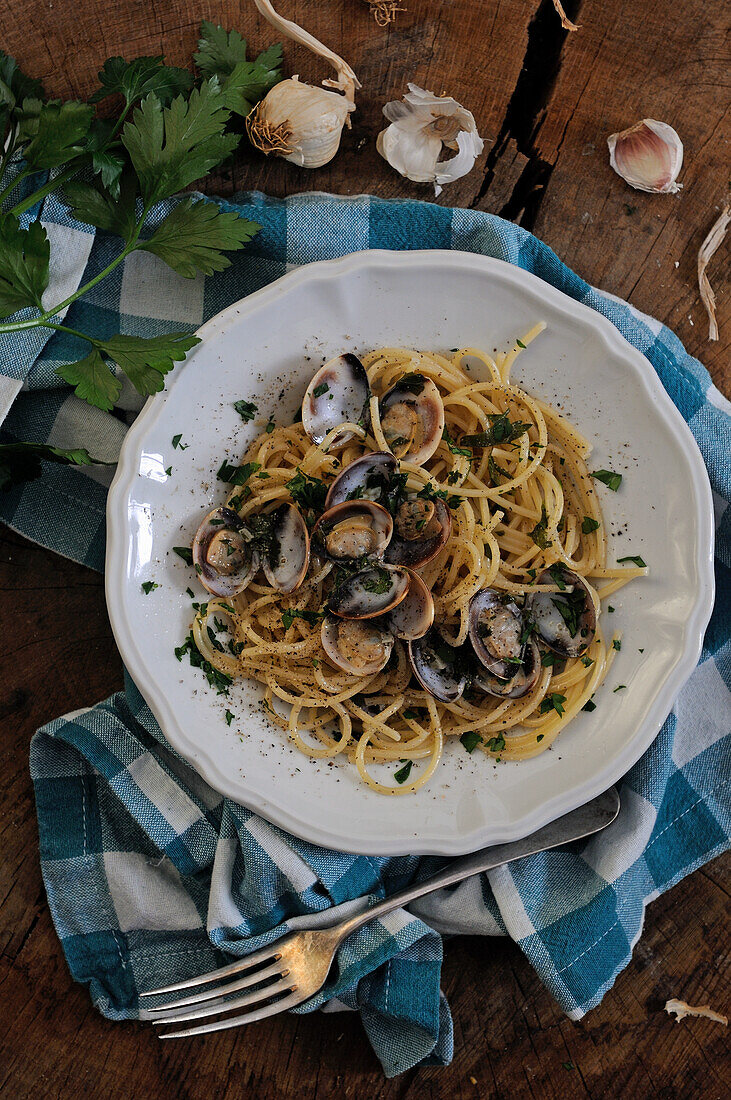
346,82
565,21
710,245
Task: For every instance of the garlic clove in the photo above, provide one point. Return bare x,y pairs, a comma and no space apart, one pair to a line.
296,121
422,126
648,156
299,122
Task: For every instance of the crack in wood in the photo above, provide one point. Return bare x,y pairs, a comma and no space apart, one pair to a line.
515,143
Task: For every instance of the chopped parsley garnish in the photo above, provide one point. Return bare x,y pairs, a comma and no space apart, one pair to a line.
466,452
634,558
411,383
320,390
588,525
496,744
310,617
218,680
428,492
403,773
452,477
148,587
609,478
590,705
520,343
229,716
548,660
587,662
177,443
494,470
610,609
619,687
168,471
263,475
554,701
540,736
237,475
247,410
413,715
570,607
185,553
470,740
355,494
501,430
315,662
308,492
616,644
190,592
378,582
556,572
539,534
229,608
269,427
214,640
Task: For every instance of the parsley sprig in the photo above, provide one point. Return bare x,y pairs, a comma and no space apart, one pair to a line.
169,128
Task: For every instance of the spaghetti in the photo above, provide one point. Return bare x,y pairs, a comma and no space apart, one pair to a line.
518,507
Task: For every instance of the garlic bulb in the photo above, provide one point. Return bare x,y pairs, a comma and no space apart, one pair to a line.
648,156
422,124
297,121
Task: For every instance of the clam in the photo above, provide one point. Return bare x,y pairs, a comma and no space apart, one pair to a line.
521,681
367,478
421,528
369,592
223,557
338,393
496,630
358,646
352,530
413,617
566,620
437,667
286,559
412,418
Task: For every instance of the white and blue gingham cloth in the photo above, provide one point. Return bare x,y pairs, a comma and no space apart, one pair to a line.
150,875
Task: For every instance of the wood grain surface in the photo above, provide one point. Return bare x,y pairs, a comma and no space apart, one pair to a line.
545,102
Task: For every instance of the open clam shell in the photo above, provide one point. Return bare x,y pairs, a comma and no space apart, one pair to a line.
285,564
566,620
338,393
521,681
222,555
496,627
371,591
358,646
368,478
414,616
421,529
437,666
412,418
352,530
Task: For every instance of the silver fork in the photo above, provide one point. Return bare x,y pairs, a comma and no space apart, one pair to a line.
294,968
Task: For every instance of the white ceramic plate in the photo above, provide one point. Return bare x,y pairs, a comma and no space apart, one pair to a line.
265,348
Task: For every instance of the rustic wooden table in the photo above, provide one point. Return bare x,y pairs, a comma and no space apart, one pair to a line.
545,101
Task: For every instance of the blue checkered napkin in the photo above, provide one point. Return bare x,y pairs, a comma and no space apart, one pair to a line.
151,876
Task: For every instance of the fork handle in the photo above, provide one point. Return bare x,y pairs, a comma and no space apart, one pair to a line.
579,823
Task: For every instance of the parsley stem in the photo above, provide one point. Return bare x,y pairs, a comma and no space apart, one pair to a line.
71,331
9,151
48,187
10,187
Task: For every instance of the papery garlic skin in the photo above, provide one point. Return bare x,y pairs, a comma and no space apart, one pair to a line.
309,119
422,124
648,156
